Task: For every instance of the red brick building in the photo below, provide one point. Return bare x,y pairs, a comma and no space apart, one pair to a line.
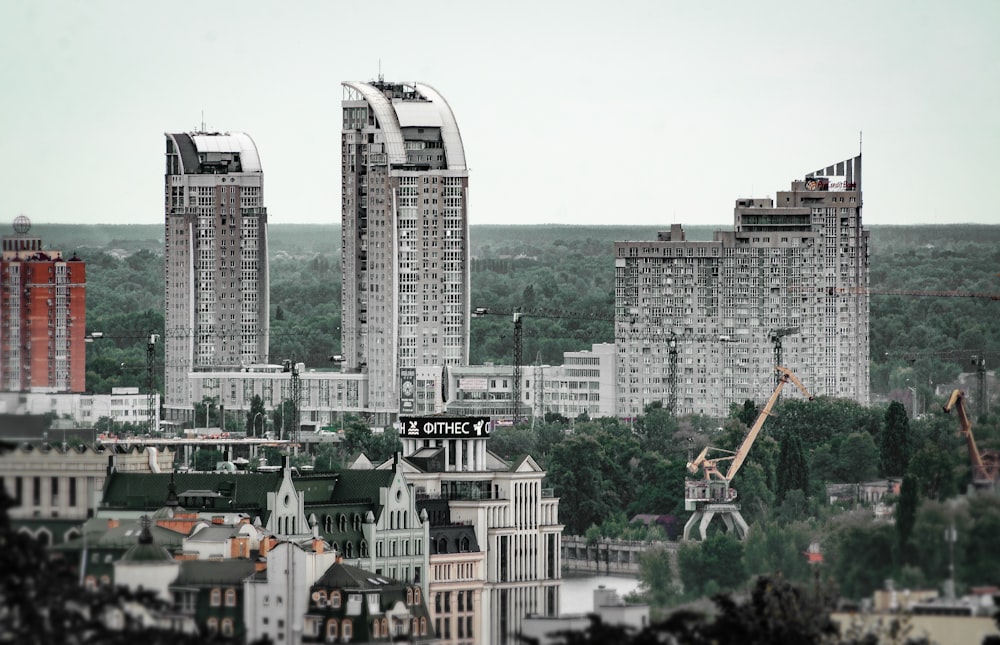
42,316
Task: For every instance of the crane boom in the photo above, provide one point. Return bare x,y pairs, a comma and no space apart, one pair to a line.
982,472
748,441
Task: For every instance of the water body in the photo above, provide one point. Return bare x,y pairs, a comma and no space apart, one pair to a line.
577,596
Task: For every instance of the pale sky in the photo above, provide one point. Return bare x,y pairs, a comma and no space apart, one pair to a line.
574,112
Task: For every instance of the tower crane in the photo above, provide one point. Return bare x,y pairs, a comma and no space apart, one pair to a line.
985,466
712,495
517,316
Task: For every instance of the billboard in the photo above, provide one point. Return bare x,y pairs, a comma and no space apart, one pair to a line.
444,427
407,383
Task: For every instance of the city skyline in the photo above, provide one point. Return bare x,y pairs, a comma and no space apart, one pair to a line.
685,106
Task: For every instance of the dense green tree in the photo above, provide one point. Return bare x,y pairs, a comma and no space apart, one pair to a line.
859,554
755,496
659,586
715,564
205,459
773,548
894,450
747,413
577,473
256,417
792,472
662,488
206,413
935,471
858,458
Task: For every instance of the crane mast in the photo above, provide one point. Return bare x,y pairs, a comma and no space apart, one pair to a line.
712,495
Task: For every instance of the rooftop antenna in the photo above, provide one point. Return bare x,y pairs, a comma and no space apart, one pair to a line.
203,121
380,78
859,142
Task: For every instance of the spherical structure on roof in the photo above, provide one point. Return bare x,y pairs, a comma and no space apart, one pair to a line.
22,224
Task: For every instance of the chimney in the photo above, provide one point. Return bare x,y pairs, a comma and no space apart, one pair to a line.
218,519
317,545
112,523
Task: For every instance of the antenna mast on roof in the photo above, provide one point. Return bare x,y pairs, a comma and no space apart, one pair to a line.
380,78
859,142
203,121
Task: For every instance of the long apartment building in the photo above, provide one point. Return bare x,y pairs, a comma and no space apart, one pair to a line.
43,316
215,261
405,299
700,325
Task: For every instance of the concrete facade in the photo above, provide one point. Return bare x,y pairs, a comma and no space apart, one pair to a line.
216,284
405,233
703,314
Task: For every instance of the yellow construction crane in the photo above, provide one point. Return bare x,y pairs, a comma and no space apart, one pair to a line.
713,495
986,465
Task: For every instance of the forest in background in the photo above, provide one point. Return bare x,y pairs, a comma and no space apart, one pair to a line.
605,471
914,339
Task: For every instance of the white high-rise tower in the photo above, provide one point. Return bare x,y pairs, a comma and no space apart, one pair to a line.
215,260
405,235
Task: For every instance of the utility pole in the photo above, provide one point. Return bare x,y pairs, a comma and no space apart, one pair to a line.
982,406
672,374
152,413
291,367
516,389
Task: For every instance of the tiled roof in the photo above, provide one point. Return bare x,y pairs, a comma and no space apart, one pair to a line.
345,576
361,486
208,572
148,491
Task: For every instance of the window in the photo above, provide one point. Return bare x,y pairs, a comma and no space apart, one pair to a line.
423,626
227,626
331,630
230,597
347,629
215,598
335,599
213,625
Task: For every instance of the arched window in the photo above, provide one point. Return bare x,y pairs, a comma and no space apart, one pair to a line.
465,545
215,597
415,627
212,624
377,628
347,629
230,597
385,626
442,545
363,549
409,595
357,522
416,595
90,583
342,523
328,523
227,626
423,626
331,630
335,599
348,549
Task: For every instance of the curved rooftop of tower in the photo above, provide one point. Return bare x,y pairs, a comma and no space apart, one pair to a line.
398,106
216,152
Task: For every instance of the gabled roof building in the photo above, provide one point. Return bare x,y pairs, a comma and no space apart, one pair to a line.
350,604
